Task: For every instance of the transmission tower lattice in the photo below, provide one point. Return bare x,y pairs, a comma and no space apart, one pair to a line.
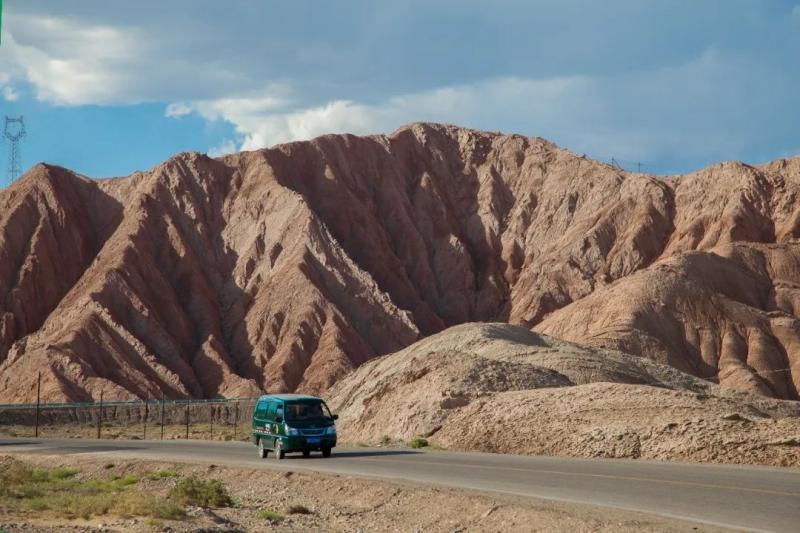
14,132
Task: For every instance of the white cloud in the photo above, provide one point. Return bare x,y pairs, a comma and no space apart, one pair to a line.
178,110
645,116
263,120
260,130
74,62
10,94
227,146
638,95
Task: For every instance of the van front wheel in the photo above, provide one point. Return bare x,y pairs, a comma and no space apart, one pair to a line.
262,452
279,453
326,452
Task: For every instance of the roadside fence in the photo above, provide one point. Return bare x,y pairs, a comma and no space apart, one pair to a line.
217,419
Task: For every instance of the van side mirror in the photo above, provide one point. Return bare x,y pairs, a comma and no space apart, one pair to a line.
278,419
336,417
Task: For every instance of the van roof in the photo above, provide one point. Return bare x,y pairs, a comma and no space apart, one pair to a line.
287,397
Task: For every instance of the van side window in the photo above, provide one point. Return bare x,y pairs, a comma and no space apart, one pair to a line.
261,408
271,411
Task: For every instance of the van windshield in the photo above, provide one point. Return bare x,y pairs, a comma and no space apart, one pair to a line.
306,411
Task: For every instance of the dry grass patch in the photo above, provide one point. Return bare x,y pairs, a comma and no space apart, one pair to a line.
62,494
270,516
201,493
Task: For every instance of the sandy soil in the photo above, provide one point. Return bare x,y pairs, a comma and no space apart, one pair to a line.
337,503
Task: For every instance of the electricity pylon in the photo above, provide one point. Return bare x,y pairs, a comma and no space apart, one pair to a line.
14,132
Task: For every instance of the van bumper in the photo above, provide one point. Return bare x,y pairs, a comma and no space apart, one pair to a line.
298,444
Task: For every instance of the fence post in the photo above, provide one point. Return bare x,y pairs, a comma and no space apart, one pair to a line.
100,414
162,416
38,398
235,418
212,421
187,420
144,437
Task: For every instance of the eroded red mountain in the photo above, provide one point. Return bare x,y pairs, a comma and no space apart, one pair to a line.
283,269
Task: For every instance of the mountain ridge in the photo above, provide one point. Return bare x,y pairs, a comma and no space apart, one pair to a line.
285,268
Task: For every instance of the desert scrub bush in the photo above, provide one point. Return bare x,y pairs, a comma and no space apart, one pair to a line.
140,503
418,443
298,509
19,481
162,474
64,473
386,440
117,482
200,493
31,489
270,516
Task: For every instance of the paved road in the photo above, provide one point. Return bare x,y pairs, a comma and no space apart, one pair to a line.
748,498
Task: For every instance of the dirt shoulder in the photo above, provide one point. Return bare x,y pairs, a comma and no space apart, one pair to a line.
266,500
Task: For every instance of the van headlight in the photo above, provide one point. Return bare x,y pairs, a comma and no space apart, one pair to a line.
331,430
292,432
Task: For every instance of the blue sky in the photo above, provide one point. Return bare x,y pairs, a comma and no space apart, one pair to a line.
112,87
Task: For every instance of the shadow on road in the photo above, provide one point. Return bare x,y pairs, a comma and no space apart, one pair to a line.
347,454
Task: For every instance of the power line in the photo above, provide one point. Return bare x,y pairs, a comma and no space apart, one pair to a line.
14,131
621,164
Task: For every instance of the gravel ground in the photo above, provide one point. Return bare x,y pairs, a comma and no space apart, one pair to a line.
335,503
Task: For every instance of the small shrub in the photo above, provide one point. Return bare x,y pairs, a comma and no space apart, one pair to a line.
194,491
143,504
418,443
128,479
163,474
119,482
64,473
38,504
385,440
270,516
108,466
32,489
21,482
298,509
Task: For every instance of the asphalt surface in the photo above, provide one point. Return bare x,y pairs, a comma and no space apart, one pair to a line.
738,497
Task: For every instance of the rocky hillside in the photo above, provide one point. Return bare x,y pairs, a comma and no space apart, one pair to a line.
502,388
284,269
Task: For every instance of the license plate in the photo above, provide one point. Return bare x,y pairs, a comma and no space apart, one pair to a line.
313,440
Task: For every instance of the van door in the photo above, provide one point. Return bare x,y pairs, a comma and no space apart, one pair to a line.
259,418
269,418
279,416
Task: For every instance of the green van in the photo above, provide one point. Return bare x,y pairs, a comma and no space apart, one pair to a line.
286,423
